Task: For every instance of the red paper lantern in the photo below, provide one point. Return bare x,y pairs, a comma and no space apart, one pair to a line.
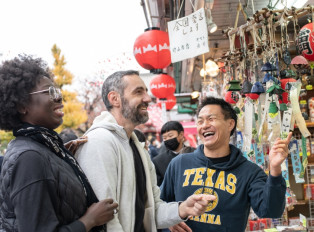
284,83
171,101
232,97
151,49
305,41
162,86
253,96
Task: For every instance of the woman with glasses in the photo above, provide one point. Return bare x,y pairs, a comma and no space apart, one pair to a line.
42,188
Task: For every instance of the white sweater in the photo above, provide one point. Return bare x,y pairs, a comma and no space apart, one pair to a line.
107,160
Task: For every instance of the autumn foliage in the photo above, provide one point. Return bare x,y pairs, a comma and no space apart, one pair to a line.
74,113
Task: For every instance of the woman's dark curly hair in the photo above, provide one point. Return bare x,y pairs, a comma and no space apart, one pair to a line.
18,77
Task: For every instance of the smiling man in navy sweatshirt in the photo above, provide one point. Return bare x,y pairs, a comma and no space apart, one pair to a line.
219,168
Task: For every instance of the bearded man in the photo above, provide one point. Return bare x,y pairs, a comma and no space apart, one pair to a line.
119,167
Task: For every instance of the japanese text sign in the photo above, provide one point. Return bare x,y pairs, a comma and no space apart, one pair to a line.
188,36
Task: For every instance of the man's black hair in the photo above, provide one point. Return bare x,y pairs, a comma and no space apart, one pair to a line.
171,125
227,110
18,77
153,139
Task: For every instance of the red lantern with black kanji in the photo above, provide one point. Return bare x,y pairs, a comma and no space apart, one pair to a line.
170,101
151,49
305,41
162,85
232,97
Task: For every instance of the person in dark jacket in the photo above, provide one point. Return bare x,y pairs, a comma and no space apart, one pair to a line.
42,187
220,169
153,149
172,133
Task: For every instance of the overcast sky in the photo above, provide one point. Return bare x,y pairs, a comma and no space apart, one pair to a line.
86,31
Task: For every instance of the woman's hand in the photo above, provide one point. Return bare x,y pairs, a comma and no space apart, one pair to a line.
99,213
73,145
181,227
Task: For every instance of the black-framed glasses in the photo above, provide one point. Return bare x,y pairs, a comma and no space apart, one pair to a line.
54,93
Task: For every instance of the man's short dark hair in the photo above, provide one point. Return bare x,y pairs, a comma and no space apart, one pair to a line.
153,139
115,82
172,125
227,110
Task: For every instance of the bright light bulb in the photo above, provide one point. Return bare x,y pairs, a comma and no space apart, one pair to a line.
212,27
202,73
212,68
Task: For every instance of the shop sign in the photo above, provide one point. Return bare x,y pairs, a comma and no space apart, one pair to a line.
188,36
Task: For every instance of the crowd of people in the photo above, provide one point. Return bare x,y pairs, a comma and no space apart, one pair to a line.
116,180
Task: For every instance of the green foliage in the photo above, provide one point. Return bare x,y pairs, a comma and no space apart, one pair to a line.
5,138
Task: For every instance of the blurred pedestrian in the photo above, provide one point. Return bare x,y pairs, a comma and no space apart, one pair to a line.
153,149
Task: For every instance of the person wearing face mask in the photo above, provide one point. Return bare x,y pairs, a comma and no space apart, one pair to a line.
172,133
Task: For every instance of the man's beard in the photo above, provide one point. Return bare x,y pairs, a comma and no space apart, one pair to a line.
134,114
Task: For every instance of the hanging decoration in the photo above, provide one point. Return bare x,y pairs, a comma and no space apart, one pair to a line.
278,110
268,68
299,62
151,49
305,41
232,97
253,96
162,86
170,102
286,85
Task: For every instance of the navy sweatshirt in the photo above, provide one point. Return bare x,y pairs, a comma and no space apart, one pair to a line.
238,184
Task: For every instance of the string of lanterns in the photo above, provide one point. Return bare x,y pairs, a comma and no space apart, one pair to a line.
151,50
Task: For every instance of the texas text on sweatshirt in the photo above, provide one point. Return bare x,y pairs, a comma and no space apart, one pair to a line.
238,184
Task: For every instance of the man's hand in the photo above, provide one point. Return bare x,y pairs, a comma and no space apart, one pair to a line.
195,205
181,227
278,154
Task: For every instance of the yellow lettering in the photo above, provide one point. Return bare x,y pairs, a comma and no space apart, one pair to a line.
203,217
188,173
217,221
198,176
207,218
209,179
220,182
231,181
210,218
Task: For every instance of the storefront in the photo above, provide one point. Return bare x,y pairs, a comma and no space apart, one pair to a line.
264,69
